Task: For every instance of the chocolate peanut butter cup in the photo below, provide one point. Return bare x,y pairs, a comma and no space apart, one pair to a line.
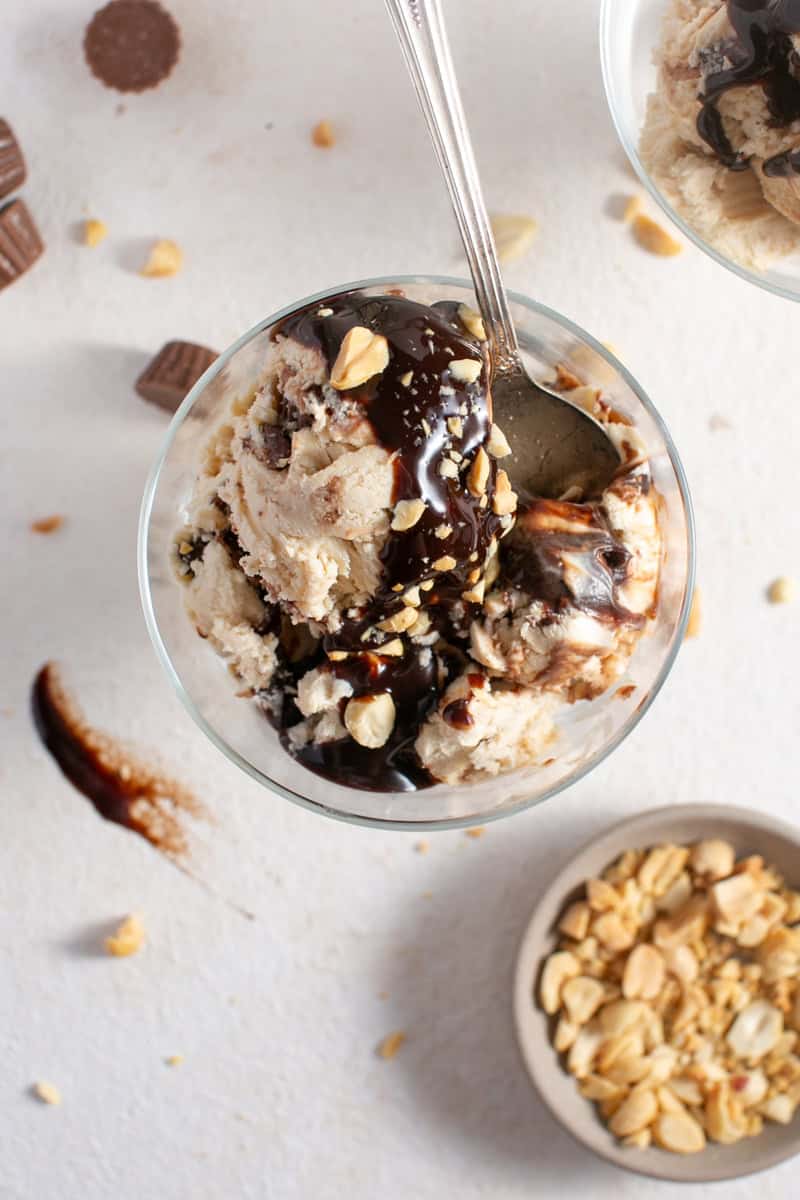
176,368
13,171
20,243
132,45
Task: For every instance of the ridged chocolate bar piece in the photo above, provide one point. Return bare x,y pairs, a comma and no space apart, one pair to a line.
13,171
174,370
20,244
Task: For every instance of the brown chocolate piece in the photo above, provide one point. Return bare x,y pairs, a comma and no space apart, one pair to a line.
13,171
131,45
20,243
166,380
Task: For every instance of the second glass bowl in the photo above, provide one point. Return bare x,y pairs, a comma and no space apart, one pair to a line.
630,31
236,726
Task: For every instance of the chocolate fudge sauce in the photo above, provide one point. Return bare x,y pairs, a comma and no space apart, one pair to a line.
411,421
424,420
424,415
564,554
761,52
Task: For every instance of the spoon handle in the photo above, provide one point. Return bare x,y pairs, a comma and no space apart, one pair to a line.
419,25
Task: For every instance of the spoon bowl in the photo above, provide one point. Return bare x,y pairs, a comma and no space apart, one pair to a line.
557,449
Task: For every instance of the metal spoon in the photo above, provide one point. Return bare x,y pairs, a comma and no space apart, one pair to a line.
556,448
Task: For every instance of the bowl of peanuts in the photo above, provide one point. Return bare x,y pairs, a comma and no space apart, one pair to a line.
657,994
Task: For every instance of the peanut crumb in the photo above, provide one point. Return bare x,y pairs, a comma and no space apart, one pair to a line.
47,524
128,938
322,135
513,234
781,591
362,354
388,1048
165,258
174,1060
695,622
422,847
654,237
476,832
406,515
94,232
48,1093
472,322
633,206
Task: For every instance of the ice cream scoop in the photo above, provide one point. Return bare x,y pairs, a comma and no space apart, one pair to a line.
721,136
556,447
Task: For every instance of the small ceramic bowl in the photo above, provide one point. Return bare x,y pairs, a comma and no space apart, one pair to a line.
749,832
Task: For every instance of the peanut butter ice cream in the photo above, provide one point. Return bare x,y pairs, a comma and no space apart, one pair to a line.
722,133
356,554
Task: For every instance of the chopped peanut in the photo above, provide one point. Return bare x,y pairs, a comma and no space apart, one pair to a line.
128,938
675,990
165,258
654,237
322,135
94,232
390,1045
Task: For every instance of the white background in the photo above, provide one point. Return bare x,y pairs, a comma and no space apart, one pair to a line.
356,935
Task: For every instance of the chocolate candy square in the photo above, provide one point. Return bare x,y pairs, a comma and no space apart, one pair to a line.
167,379
13,171
20,243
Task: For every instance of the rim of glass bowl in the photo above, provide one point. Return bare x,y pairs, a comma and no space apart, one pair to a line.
233,755
608,11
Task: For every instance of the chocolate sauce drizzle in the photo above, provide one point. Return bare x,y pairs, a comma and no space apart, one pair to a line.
424,415
565,555
761,52
413,682
411,421
423,420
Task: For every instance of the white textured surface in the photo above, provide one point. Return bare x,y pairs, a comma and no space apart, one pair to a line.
280,1093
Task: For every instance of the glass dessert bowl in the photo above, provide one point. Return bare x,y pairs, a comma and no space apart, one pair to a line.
735,215
172,567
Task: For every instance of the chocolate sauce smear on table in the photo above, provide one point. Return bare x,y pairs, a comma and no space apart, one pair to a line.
564,555
410,419
121,789
761,52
